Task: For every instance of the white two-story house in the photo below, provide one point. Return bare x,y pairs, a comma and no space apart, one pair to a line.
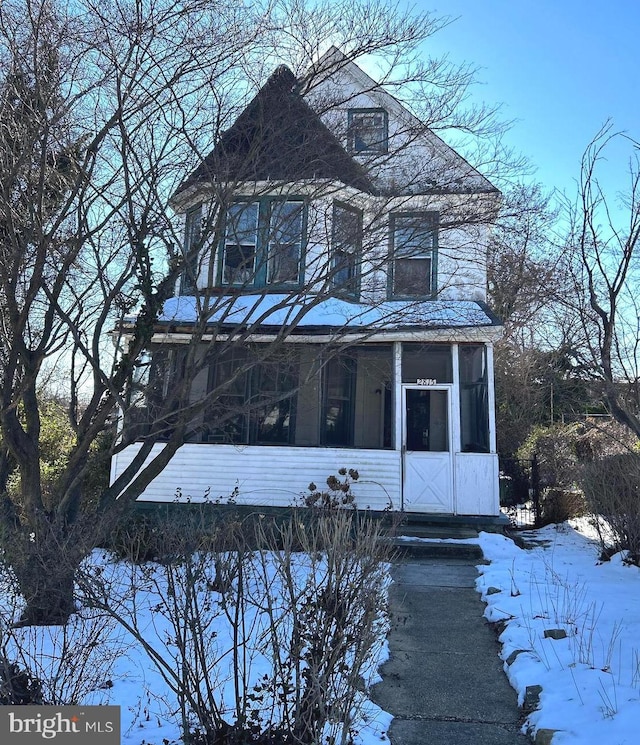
333,304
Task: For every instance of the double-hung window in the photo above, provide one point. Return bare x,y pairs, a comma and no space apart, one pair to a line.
413,254
368,131
286,227
263,242
240,244
346,243
192,240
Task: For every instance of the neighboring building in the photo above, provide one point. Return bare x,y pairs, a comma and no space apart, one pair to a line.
338,248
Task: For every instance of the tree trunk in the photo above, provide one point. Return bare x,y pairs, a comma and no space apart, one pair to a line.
45,559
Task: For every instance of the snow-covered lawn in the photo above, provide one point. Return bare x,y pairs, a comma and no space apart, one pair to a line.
97,659
590,679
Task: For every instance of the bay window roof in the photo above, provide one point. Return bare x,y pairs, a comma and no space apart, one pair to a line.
278,137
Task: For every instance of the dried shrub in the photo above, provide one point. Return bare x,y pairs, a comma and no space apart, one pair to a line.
337,494
559,505
18,687
305,596
612,490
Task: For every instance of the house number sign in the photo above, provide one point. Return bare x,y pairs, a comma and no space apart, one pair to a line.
426,381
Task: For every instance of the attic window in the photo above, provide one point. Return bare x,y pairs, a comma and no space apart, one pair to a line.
368,131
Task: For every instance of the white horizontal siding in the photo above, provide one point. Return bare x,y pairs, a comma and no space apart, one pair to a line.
270,476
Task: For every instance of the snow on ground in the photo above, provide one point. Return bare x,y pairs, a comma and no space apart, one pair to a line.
94,660
591,678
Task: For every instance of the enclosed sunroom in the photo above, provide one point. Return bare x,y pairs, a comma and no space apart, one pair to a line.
410,408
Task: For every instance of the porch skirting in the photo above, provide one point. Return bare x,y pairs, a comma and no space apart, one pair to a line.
278,476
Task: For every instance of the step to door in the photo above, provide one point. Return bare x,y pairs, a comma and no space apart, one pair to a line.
436,549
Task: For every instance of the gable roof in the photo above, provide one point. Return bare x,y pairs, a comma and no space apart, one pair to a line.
459,175
278,137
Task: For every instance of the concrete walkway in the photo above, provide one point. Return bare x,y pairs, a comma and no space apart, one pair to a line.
444,682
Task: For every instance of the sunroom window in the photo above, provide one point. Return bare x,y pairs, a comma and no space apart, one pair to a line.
263,242
413,253
346,242
253,402
474,399
367,131
300,398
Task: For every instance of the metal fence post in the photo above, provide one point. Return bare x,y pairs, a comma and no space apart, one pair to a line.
535,489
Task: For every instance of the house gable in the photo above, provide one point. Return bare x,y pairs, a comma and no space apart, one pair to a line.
418,162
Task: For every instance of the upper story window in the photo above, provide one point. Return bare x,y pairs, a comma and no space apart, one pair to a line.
192,238
413,254
263,242
346,243
240,243
368,131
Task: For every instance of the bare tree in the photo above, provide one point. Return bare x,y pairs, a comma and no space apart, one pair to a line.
104,107
524,288
602,261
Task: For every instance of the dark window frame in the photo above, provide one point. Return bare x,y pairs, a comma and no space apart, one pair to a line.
360,147
475,436
346,402
263,255
243,427
191,250
431,224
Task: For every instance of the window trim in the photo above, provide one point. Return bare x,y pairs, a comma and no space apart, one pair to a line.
262,254
343,288
223,243
382,147
431,218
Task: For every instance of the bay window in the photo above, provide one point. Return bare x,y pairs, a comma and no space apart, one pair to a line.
263,242
346,242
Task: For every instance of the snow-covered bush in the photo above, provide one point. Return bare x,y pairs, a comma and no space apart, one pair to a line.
262,630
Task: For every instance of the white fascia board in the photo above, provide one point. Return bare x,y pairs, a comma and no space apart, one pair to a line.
316,188
480,335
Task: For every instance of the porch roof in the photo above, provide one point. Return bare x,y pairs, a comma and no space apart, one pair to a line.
321,315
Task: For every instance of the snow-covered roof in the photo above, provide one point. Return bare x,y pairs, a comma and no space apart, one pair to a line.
316,313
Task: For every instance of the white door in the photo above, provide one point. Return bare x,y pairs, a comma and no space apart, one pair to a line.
427,463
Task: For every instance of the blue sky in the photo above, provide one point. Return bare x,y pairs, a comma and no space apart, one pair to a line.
561,68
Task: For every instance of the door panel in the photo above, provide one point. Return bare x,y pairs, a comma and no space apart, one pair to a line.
427,462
